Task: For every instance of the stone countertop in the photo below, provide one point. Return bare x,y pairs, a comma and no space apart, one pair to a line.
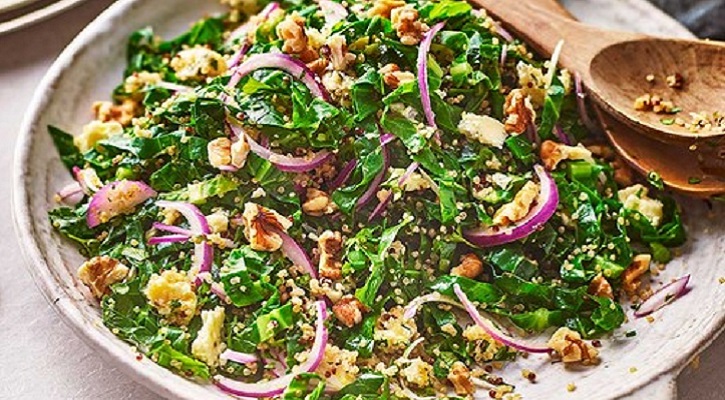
41,357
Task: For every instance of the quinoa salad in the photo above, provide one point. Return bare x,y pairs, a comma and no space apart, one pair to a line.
357,200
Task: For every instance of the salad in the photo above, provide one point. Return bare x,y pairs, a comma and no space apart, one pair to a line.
357,200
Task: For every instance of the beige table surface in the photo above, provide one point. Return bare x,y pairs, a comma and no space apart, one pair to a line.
40,358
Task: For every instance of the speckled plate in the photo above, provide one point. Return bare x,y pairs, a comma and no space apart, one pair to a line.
641,367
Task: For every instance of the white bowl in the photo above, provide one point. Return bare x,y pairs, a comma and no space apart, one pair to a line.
89,69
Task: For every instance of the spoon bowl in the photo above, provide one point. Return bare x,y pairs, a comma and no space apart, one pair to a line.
615,65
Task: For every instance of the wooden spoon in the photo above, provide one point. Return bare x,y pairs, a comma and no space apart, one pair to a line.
699,170
614,66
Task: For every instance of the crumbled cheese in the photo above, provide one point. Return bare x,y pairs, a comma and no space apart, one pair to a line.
500,180
172,295
417,372
218,222
635,198
483,129
94,132
416,182
208,344
519,207
198,63
532,82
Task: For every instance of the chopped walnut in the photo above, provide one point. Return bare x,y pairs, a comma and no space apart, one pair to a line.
318,203
519,112
553,153
470,266
460,377
100,272
318,66
329,245
262,226
648,102
405,21
220,152
123,113
599,286
631,276
568,345
292,31
394,77
349,310
519,207
339,55
383,8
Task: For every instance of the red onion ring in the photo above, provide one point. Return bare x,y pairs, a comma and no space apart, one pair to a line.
412,308
174,87
545,207
332,11
388,199
172,229
561,135
88,179
283,62
203,251
116,198
168,239
282,162
664,296
295,253
491,329
581,104
504,55
237,357
423,74
343,176
277,386
71,194
503,32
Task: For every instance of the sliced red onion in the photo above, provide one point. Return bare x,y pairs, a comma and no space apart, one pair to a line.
412,308
174,87
380,208
246,27
295,253
228,168
172,229
219,291
491,329
117,198
386,138
291,65
504,55
203,251
544,208
581,104
332,11
88,179
237,357
282,162
561,135
277,386
71,194
344,175
375,184
503,32
664,296
168,239
423,74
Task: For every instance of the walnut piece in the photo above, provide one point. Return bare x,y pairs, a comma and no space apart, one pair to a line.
405,21
383,8
123,113
519,207
339,55
262,226
394,77
599,286
349,310
553,153
100,272
470,266
329,245
318,203
519,112
219,151
631,276
292,31
568,344
460,377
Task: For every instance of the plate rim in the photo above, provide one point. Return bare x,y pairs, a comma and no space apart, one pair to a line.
37,265
36,15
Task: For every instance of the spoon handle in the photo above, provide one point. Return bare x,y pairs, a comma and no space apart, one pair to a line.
535,23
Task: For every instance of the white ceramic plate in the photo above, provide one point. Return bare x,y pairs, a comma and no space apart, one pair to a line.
34,15
643,366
